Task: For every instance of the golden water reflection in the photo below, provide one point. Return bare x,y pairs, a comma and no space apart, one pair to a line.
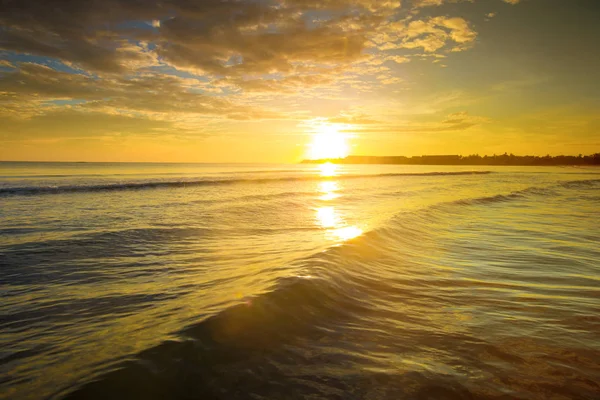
347,233
328,218
328,169
329,189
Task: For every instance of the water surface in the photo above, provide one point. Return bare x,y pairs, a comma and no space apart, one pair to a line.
296,281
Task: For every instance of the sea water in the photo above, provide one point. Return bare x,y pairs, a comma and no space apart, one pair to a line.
217,281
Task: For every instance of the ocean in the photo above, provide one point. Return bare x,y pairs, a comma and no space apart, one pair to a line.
216,281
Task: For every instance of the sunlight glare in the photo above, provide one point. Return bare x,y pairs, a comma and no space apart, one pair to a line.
328,188
328,142
327,217
328,169
349,232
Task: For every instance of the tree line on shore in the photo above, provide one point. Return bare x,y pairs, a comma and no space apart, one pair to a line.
474,159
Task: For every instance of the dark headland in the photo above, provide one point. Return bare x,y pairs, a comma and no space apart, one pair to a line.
476,159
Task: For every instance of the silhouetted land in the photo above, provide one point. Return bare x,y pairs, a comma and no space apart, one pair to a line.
475,159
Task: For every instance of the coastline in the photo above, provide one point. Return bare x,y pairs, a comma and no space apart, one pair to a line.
499,160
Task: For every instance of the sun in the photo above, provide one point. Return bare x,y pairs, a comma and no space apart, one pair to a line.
328,142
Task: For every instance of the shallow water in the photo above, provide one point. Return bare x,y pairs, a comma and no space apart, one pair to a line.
288,281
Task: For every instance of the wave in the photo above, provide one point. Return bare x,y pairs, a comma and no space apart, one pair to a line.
331,293
132,238
125,243
327,290
524,193
499,198
39,190
580,183
298,308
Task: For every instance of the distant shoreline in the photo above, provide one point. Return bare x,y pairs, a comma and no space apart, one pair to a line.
500,160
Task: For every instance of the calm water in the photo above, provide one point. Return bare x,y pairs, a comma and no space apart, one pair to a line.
269,282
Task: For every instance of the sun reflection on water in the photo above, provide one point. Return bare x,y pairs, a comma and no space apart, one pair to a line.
347,233
328,169
329,189
327,216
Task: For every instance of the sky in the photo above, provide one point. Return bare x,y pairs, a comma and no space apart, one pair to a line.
283,80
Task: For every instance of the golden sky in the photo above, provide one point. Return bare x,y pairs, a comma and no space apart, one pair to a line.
280,80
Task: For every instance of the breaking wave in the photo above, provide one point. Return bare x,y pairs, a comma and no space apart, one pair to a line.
38,190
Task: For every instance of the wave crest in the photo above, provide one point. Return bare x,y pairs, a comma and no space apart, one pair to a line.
38,190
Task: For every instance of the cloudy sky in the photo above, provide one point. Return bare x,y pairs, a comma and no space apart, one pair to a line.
255,80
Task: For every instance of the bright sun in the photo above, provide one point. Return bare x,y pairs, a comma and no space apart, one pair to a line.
328,142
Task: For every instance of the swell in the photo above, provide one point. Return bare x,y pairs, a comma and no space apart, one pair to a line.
326,290
330,288
125,242
418,222
21,261
527,193
502,198
581,183
40,190
87,175
255,329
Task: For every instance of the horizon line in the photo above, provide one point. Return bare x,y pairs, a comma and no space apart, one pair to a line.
292,162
